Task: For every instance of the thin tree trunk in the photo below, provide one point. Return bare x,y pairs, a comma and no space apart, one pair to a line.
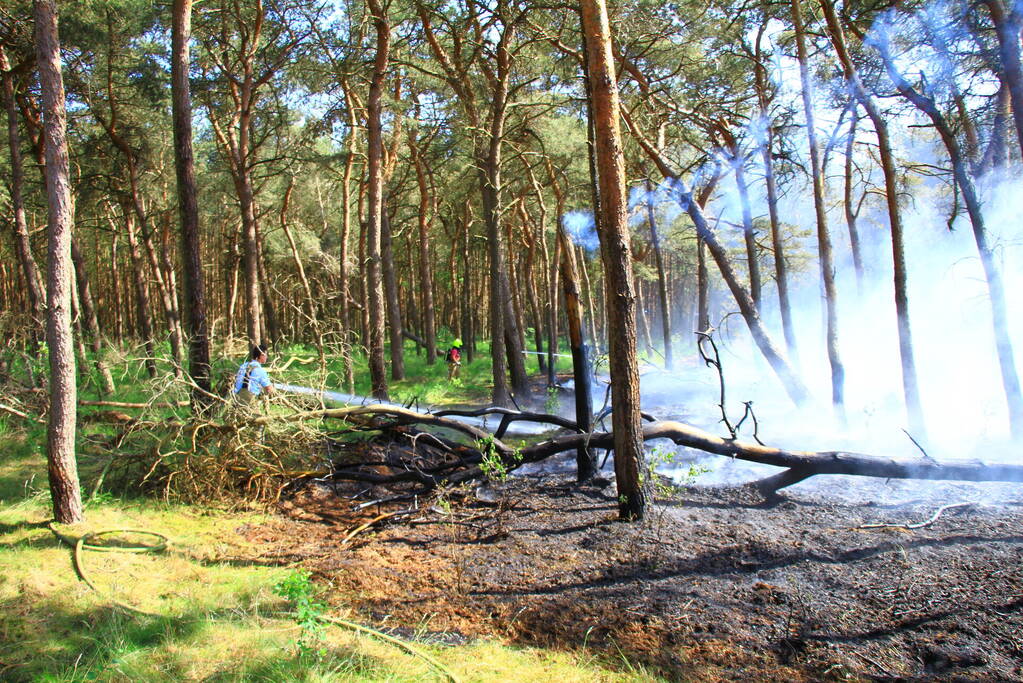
115,290
310,303
643,319
996,287
752,259
374,221
766,152
89,322
851,211
662,279
344,291
823,233
425,262
60,442
270,321
392,300
467,323
196,325
702,287
22,244
1007,27
617,258
145,322
585,459
910,385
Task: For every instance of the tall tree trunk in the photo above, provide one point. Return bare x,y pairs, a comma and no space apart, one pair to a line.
996,152
585,459
374,220
344,291
141,286
467,299
794,386
662,279
60,438
115,290
425,262
781,271
910,385
851,211
702,287
823,234
22,244
643,319
196,326
393,303
90,325
738,161
250,260
617,257
1007,27
996,288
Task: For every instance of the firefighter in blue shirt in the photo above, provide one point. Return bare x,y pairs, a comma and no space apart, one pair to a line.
252,379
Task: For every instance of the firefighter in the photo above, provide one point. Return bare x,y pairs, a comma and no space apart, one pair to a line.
454,359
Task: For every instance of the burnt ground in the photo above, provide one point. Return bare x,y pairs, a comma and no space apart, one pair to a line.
716,584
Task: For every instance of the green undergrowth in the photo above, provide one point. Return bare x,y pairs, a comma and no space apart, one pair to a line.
423,383
210,607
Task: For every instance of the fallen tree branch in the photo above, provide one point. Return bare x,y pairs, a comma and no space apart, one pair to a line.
917,525
123,404
18,413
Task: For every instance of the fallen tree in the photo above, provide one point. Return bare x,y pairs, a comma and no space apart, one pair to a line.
467,462
257,457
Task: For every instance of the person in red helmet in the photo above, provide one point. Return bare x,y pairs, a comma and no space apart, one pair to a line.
454,359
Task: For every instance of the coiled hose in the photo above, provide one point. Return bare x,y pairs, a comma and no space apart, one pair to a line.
83,543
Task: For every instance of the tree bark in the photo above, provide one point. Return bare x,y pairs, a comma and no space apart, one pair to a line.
393,304
781,271
196,325
62,467
996,287
662,280
823,234
794,386
1007,27
374,279
910,384
425,262
22,244
617,258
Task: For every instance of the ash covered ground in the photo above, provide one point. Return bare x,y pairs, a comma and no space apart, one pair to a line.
716,583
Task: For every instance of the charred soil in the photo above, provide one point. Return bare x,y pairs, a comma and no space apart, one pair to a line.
715,584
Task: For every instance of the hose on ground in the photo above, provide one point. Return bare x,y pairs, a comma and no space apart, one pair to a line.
83,543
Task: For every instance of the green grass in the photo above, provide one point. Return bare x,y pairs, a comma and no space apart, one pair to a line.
425,383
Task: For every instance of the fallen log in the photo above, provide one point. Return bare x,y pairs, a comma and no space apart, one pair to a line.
427,459
799,465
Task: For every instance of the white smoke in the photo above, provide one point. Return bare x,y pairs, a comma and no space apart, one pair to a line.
957,367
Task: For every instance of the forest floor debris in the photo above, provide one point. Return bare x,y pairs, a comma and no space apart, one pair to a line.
715,585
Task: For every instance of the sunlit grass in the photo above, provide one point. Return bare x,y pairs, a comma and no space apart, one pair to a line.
208,611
